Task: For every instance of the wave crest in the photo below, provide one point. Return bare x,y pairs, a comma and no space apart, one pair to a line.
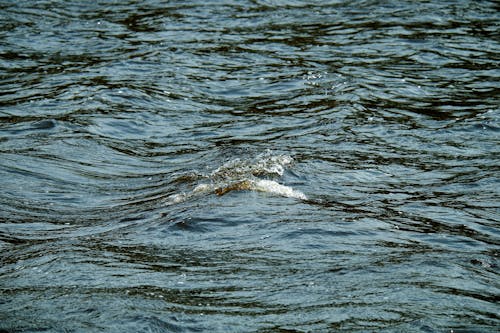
257,174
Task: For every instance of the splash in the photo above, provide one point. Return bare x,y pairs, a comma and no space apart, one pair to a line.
256,174
270,186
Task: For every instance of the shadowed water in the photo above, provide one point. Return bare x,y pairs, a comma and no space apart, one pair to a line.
249,166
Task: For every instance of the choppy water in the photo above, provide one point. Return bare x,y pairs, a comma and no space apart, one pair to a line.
249,166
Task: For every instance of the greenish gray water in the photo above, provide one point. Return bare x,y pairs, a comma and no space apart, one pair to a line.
250,166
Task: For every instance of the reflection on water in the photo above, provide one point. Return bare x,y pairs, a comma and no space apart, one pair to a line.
354,148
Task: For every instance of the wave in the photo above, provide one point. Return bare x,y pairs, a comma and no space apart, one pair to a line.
242,175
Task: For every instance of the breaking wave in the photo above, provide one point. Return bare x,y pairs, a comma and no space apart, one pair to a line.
259,174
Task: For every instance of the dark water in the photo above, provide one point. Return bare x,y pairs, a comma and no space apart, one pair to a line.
249,166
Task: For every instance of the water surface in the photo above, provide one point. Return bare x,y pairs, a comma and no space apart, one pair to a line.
134,137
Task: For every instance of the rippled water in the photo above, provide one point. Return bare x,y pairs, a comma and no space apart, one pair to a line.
249,166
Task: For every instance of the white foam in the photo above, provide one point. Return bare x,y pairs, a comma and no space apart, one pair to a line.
240,174
202,188
270,186
176,198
